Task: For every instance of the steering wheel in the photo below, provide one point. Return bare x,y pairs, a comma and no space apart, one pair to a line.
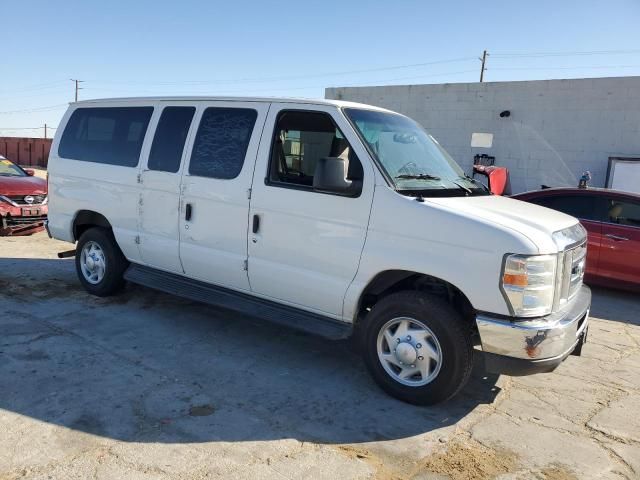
404,170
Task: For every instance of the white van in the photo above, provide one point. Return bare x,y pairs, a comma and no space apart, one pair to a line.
335,218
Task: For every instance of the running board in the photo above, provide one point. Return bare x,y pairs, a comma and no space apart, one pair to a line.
240,302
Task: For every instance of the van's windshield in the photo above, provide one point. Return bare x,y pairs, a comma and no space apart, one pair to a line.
413,159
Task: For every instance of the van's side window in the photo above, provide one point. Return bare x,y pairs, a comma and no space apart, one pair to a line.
221,142
300,140
110,135
168,142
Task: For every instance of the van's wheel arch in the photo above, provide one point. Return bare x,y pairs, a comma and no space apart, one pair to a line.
100,263
417,347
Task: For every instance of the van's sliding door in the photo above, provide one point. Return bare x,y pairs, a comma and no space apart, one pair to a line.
160,181
214,206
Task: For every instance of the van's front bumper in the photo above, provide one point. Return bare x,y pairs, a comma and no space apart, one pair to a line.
527,346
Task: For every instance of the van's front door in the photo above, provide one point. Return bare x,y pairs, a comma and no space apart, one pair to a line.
215,192
160,192
304,245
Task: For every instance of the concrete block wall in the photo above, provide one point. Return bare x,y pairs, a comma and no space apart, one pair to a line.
557,128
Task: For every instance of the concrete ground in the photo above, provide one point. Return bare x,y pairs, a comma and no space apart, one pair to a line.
149,386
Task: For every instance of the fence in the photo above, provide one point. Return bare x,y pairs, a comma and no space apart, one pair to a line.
30,152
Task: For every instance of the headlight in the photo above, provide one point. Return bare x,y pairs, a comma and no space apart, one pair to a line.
569,236
528,283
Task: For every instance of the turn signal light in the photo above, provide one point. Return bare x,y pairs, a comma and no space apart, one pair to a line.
515,280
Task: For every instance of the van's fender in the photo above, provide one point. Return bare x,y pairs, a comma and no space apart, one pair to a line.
429,239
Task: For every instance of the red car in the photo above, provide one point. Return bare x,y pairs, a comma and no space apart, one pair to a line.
23,200
612,220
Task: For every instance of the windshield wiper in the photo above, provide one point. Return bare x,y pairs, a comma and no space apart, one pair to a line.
476,182
419,176
466,189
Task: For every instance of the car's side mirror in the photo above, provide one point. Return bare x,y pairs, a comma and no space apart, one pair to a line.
30,172
331,176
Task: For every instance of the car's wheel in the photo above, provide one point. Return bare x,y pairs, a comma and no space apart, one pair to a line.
417,347
99,262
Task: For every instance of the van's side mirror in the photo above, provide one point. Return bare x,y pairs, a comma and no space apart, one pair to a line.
331,176
29,172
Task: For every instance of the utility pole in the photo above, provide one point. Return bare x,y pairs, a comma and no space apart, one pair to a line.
77,87
482,69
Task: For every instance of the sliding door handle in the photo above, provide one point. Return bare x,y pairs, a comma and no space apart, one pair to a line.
256,223
187,212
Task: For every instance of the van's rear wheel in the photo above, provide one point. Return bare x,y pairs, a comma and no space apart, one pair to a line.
99,262
417,348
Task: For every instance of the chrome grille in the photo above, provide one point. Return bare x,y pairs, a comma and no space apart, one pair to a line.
572,266
576,275
20,199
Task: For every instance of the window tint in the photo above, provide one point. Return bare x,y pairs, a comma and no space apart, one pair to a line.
300,140
111,135
221,142
623,212
168,143
579,206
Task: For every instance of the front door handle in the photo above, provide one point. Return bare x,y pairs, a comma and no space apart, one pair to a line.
187,212
617,238
256,224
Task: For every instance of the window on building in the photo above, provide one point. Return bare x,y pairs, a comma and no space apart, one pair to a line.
221,142
169,139
110,135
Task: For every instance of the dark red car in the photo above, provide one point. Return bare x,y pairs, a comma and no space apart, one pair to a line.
23,200
612,220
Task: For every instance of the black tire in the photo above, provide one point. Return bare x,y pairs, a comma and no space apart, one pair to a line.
447,325
115,262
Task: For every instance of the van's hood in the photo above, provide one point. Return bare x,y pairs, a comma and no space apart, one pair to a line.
533,221
22,186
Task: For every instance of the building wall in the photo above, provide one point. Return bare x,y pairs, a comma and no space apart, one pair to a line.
31,152
556,131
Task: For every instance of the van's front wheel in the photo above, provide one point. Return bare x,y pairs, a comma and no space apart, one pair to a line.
100,263
417,347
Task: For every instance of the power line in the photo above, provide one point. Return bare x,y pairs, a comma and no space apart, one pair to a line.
505,55
41,86
564,54
595,67
388,80
26,128
290,77
369,70
22,97
37,109
309,87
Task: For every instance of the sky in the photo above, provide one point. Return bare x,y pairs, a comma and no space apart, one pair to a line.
288,48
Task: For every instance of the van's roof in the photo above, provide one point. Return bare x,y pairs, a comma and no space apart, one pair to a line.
309,101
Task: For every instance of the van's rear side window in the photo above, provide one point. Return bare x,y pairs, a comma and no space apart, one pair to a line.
221,142
110,135
168,142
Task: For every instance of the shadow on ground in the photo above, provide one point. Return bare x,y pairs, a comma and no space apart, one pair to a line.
615,305
150,367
